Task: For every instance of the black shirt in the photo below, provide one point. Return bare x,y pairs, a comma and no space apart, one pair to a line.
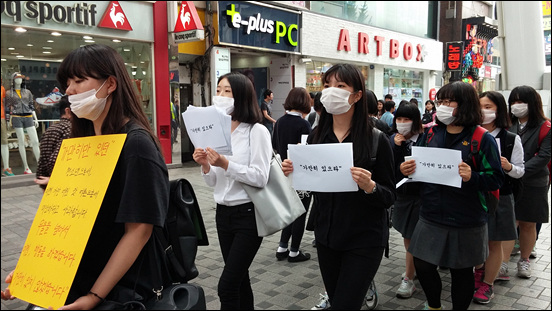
137,193
349,220
288,130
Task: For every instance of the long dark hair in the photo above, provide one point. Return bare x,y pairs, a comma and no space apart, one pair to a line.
468,112
100,62
361,123
246,108
502,118
533,99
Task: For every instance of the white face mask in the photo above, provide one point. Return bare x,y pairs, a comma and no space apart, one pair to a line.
404,128
444,114
18,81
520,110
488,116
335,100
86,105
225,104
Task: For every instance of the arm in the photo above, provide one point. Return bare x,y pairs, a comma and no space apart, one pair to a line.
515,168
256,173
129,247
268,117
35,119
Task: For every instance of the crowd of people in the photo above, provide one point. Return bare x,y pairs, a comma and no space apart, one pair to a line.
458,228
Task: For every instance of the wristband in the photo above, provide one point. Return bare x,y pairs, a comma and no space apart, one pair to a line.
97,296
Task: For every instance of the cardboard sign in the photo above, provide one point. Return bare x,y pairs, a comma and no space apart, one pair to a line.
64,220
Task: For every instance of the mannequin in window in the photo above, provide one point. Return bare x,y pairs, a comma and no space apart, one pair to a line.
20,104
5,149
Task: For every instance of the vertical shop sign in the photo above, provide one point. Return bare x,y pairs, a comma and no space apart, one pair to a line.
188,26
454,56
220,65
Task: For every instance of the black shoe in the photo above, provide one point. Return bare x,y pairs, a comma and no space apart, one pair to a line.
313,243
300,257
282,255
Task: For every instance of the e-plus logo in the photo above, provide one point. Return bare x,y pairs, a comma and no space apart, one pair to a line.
257,23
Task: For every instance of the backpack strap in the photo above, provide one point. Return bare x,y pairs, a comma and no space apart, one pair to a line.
544,129
507,142
429,135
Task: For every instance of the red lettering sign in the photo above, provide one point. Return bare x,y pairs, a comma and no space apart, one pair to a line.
407,51
344,41
115,18
363,43
454,56
379,47
393,48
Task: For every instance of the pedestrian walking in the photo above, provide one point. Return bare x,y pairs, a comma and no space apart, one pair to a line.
266,108
501,223
250,164
452,228
407,127
351,228
532,208
288,130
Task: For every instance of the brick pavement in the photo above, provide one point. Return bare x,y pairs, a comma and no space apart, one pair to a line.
282,285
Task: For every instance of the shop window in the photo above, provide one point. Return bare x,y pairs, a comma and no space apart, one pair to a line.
403,84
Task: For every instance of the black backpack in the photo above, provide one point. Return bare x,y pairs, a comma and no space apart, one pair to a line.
507,142
183,232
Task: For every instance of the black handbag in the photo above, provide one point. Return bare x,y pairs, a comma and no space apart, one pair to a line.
178,297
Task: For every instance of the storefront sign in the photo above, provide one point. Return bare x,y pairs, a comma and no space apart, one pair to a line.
454,56
243,23
188,26
79,13
349,41
432,94
395,47
115,18
105,18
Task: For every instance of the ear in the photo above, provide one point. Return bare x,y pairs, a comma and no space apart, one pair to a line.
357,96
111,84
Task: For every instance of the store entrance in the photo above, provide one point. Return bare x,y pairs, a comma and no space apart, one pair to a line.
186,146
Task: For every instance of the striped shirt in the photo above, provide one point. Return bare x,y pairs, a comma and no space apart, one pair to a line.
50,144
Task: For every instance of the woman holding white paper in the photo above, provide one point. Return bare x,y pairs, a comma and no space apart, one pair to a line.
407,127
250,164
452,226
351,228
288,130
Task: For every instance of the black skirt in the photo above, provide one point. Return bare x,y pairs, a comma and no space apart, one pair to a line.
405,214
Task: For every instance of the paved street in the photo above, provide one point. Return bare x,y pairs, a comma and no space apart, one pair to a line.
281,285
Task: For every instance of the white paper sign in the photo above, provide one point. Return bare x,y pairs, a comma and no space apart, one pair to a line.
437,166
322,167
207,127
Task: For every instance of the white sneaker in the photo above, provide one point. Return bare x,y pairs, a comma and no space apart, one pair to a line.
404,275
407,288
323,304
524,268
503,273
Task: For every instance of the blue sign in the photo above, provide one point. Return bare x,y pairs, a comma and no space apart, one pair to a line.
247,24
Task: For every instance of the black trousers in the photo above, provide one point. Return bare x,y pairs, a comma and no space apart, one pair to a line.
239,243
296,229
348,274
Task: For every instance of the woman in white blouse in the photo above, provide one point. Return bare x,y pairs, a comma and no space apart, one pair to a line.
502,223
250,164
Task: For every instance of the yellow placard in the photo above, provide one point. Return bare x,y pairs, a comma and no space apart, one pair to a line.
63,222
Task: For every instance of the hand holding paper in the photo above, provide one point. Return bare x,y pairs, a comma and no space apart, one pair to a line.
208,127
